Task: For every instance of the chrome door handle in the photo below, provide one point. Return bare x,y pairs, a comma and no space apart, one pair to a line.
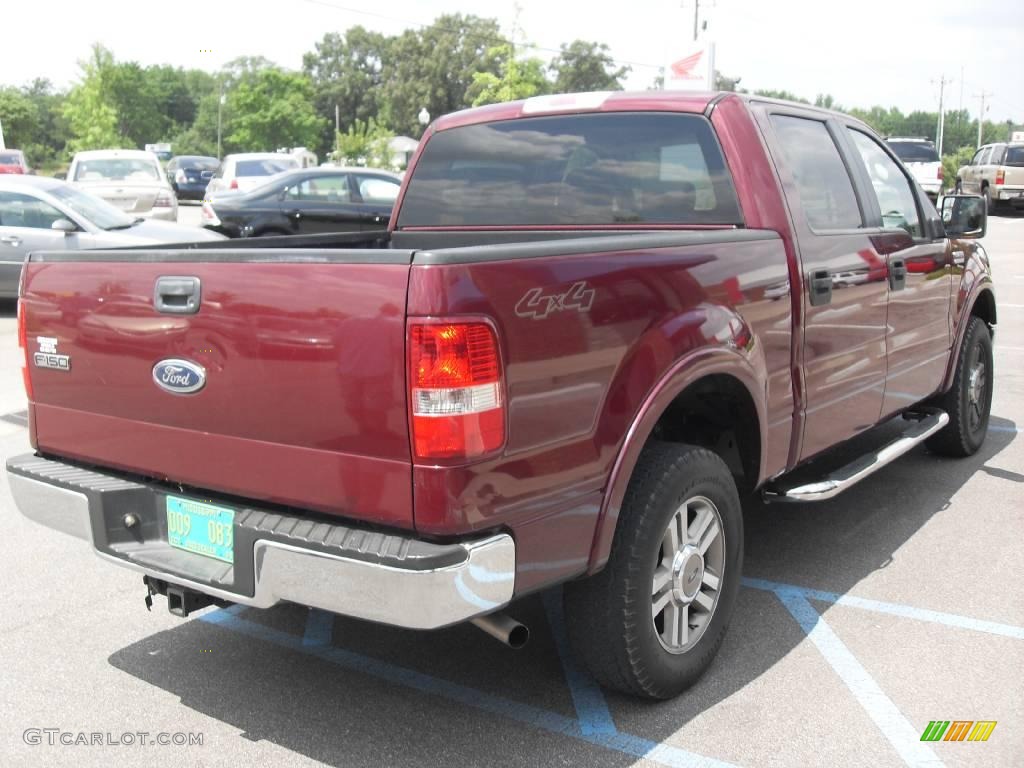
11,240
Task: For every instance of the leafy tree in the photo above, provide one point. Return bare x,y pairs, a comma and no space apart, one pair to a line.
433,68
584,66
274,109
19,116
786,95
347,72
726,83
89,108
364,143
518,79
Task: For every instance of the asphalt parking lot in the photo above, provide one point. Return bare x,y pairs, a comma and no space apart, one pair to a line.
863,619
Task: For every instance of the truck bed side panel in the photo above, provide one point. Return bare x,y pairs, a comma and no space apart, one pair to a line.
585,337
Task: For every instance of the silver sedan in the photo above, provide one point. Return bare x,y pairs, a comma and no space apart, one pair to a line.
40,214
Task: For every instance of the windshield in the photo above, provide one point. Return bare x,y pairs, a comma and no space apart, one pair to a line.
117,169
266,167
573,169
89,207
1014,156
914,151
10,158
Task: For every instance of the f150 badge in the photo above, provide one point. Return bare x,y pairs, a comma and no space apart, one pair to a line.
538,305
47,356
179,376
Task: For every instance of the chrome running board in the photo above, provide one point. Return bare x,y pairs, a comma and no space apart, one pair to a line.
927,423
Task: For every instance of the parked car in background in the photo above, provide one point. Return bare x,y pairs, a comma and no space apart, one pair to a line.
307,201
996,172
922,160
13,161
248,170
42,214
129,179
188,175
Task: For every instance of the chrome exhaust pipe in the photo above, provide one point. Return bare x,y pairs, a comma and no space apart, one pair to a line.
504,628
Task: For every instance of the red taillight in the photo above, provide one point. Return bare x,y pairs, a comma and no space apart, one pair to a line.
1000,176
233,184
23,346
938,174
455,391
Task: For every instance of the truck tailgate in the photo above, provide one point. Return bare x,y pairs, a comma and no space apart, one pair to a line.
303,353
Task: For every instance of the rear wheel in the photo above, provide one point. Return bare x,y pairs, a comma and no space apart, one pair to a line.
969,400
651,622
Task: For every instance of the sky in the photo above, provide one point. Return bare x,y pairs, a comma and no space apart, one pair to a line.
887,52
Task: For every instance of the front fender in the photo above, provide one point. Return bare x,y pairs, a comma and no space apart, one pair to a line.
975,279
688,370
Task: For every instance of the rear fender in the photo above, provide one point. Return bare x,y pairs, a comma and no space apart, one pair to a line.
685,372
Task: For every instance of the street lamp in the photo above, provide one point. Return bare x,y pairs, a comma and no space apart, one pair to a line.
423,116
220,110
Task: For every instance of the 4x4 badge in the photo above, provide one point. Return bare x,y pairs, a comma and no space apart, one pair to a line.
537,305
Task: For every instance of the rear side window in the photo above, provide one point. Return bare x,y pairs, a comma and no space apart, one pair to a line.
996,158
1014,156
625,168
826,192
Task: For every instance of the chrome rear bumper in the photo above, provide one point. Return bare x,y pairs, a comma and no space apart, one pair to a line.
366,574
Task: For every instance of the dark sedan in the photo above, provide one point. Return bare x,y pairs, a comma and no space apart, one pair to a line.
308,201
189,175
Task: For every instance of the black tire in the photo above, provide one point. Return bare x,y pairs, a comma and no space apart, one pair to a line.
987,199
968,402
609,615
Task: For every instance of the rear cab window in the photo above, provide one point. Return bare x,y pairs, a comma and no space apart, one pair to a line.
914,151
573,170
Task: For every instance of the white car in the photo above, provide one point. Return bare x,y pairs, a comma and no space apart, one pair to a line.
248,170
41,214
922,160
129,179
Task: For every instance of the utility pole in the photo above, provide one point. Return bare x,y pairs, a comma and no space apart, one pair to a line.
940,129
696,14
981,113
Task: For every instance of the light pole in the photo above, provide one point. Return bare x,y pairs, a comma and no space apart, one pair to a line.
220,110
423,117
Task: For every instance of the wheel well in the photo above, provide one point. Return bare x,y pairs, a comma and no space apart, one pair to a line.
985,308
717,413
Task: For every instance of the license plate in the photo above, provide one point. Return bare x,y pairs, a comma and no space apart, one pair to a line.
204,529
124,203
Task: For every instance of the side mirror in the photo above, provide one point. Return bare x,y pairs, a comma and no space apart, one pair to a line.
61,176
964,216
65,226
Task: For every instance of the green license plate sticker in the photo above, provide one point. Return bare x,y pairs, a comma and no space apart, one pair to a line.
202,528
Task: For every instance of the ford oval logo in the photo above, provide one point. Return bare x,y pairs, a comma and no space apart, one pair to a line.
179,376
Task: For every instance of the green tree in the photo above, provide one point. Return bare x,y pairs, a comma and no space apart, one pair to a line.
273,110
364,143
433,68
89,108
50,134
785,95
347,73
19,116
726,83
583,66
518,79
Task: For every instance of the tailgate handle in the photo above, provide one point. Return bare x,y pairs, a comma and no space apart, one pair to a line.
177,295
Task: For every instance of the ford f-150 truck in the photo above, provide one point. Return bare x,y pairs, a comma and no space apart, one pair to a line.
594,323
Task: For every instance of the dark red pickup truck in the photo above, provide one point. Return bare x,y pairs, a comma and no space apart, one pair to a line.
595,322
